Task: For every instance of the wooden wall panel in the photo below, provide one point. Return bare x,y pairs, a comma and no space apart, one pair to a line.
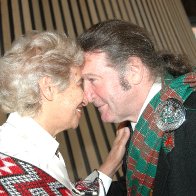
16,18
36,15
85,148
26,16
169,25
5,26
67,18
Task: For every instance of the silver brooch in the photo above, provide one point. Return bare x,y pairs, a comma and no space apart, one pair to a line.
170,114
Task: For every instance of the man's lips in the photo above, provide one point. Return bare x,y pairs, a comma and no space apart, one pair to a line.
98,105
100,108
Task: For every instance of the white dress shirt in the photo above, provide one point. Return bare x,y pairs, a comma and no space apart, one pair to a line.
23,138
156,87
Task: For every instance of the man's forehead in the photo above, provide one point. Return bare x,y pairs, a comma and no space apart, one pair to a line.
96,56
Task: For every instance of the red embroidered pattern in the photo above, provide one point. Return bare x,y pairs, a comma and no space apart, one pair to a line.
21,178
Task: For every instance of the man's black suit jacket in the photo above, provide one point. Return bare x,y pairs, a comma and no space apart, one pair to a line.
176,171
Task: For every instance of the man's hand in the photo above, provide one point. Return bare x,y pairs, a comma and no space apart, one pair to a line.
115,156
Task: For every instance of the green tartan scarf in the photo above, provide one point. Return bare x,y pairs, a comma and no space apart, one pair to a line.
147,139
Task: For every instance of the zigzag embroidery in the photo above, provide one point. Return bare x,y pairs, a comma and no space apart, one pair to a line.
21,178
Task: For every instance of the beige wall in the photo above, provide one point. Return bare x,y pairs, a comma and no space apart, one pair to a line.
85,148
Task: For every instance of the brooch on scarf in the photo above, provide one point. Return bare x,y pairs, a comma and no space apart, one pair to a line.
170,115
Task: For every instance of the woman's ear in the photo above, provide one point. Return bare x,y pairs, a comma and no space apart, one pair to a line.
46,88
135,70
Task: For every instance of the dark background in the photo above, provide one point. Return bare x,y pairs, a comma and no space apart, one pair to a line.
190,8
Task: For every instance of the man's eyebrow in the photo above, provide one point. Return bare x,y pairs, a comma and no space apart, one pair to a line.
91,75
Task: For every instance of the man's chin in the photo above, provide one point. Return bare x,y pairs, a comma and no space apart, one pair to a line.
107,119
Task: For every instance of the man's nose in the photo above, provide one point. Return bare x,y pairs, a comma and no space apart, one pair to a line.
85,100
88,93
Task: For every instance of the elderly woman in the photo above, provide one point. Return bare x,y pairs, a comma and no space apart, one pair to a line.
41,88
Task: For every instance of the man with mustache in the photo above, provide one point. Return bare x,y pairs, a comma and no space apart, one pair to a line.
127,79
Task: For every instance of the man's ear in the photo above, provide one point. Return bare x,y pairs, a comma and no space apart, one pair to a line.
135,70
46,88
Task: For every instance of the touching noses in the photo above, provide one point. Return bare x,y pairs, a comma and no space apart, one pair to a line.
85,100
88,92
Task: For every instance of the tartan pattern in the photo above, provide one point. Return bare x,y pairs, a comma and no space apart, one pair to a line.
18,177
148,139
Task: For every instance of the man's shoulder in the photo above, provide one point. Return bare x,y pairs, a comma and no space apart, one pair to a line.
191,101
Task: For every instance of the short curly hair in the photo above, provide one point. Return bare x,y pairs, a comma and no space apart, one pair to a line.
31,57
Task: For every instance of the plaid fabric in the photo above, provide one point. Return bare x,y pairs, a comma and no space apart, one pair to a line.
147,139
24,179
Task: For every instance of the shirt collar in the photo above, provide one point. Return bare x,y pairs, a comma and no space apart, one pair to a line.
156,87
30,130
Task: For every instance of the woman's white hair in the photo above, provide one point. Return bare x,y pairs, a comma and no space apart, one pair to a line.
32,57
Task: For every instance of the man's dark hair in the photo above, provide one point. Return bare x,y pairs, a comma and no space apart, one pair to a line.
122,39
